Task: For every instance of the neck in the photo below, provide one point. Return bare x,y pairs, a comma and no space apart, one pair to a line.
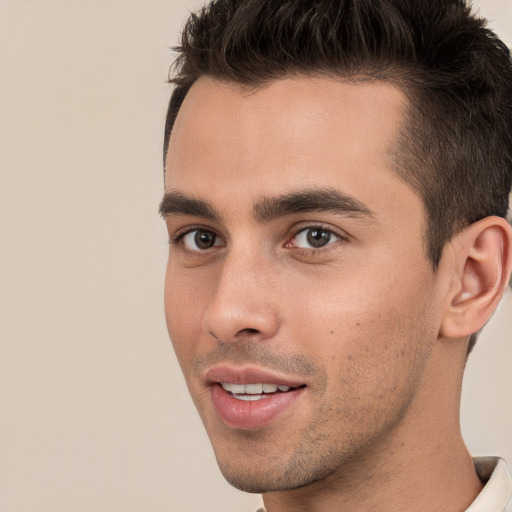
421,465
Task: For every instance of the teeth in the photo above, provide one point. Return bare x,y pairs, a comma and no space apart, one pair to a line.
237,388
248,398
252,389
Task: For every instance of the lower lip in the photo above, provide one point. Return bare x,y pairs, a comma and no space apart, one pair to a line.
252,414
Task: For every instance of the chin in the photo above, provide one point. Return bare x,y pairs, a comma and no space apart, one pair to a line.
271,475
261,481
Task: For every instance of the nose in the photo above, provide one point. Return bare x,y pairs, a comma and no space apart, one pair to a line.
244,305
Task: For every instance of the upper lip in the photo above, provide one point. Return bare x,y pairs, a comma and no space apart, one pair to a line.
249,375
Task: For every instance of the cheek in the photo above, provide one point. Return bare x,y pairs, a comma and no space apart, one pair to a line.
185,301
364,323
373,356
371,293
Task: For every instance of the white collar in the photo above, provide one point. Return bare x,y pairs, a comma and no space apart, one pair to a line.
496,496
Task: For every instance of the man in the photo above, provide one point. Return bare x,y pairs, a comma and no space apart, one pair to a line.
337,180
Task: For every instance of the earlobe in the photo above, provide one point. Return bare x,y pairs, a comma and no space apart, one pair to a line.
482,255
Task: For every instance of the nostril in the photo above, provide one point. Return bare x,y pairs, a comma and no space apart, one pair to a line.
241,333
250,331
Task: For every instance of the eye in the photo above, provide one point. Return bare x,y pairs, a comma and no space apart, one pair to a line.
200,240
314,237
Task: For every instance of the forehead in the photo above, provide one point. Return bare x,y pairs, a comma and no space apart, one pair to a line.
232,144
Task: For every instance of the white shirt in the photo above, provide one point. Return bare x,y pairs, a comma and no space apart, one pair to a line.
496,496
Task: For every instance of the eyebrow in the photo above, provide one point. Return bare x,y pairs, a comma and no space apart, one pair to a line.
314,200
176,203
269,208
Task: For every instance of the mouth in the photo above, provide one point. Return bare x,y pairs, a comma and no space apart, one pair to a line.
254,392
251,398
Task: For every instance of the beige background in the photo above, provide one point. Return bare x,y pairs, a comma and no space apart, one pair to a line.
94,414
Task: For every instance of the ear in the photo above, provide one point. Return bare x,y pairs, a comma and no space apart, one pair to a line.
481,266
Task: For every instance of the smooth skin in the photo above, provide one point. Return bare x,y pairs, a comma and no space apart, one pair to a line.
343,300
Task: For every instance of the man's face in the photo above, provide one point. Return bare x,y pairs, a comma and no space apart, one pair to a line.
298,297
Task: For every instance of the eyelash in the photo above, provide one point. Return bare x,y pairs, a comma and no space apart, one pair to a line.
177,240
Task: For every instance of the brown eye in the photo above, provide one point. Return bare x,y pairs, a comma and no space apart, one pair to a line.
318,237
200,240
314,238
